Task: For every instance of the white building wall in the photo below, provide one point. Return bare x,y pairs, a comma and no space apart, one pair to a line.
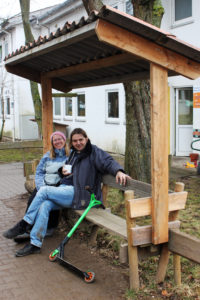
110,136
188,31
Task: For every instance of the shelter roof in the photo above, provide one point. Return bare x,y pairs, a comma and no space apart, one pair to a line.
76,56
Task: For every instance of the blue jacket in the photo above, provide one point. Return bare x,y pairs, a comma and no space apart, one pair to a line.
47,169
88,169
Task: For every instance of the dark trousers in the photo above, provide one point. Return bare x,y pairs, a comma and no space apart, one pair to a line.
53,216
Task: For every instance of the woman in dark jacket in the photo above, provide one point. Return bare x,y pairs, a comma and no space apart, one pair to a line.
84,167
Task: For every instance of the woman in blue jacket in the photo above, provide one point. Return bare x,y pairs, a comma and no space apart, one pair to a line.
88,164
47,175
47,171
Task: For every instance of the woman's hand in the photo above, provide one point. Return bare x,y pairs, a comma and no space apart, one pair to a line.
121,178
65,172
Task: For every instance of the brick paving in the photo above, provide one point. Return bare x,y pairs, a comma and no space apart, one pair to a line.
12,178
35,277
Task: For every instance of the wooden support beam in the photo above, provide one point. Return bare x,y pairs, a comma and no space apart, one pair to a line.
184,245
142,206
92,65
109,80
35,76
25,72
159,153
47,113
146,49
142,235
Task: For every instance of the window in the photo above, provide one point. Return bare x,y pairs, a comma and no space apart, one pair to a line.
1,105
185,106
8,106
81,105
182,12
6,49
112,106
0,53
57,106
183,9
68,107
129,7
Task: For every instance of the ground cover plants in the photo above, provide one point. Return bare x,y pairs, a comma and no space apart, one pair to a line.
190,223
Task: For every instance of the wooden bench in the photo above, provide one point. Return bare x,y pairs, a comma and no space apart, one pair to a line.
142,235
105,219
139,237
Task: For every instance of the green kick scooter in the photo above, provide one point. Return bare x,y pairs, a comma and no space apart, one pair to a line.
58,254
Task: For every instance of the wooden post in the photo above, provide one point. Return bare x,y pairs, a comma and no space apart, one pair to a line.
179,187
104,193
132,251
159,153
47,112
164,256
162,265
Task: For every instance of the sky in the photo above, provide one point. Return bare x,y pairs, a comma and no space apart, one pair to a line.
9,8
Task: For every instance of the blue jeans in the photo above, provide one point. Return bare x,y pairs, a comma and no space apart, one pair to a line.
47,198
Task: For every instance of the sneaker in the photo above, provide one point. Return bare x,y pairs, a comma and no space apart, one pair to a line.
25,237
20,228
27,250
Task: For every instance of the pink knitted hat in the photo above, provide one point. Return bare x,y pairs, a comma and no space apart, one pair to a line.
58,133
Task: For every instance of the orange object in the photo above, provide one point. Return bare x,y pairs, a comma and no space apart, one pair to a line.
189,165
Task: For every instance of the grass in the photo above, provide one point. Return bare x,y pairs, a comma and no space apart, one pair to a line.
190,223
17,155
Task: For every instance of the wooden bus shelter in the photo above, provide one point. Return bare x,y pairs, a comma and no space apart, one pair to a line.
111,47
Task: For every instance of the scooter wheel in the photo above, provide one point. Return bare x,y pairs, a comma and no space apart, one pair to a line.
52,258
91,277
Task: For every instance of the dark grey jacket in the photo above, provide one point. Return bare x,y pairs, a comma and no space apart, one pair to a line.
88,169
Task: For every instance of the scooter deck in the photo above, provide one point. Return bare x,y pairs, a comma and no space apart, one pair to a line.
71,267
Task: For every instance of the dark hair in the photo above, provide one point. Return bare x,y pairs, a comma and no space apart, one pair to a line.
77,131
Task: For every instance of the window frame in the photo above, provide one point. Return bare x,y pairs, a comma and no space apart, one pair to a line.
68,117
80,118
1,53
8,106
184,21
126,8
57,117
112,120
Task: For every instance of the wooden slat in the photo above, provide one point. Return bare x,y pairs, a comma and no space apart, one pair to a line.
142,235
159,153
146,49
184,245
47,113
140,188
105,219
142,206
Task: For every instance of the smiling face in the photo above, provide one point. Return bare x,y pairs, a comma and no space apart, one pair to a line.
79,142
58,142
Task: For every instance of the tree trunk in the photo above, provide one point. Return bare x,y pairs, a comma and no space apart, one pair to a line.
138,138
25,9
138,143
91,5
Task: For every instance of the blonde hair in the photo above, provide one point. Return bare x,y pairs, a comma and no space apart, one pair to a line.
52,150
